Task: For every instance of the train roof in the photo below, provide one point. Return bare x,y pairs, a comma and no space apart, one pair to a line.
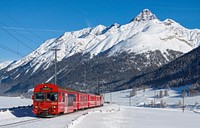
69,89
72,90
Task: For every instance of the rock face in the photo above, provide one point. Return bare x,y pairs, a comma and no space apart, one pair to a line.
102,55
183,71
145,15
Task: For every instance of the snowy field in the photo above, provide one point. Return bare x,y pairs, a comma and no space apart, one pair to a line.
9,102
174,97
122,113
132,117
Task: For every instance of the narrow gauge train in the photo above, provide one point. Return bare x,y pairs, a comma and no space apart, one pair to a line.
50,99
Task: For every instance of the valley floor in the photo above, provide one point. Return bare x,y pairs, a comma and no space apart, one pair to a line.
116,115
109,116
132,117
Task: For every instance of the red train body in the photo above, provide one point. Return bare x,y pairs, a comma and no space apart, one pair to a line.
49,99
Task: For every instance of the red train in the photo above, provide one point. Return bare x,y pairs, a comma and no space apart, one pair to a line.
49,99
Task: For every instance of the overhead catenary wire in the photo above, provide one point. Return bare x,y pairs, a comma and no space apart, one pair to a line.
15,36
12,50
6,28
17,39
22,25
42,30
9,33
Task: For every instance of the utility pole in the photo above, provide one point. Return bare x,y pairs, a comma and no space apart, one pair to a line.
189,72
85,81
130,100
85,76
55,61
154,102
98,91
183,96
197,69
102,88
183,104
110,94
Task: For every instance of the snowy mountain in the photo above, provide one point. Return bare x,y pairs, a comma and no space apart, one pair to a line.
145,15
182,71
144,33
5,64
149,42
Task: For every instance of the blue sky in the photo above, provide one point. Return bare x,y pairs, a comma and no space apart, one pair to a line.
26,24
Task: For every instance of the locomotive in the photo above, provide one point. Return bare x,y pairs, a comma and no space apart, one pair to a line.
50,99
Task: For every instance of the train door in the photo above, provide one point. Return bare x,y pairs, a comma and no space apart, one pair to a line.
78,101
72,102
66,103
89,101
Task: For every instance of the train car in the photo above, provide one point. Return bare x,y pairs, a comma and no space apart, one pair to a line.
50,99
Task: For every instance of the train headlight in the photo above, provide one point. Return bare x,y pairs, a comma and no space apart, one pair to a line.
53,106
36,106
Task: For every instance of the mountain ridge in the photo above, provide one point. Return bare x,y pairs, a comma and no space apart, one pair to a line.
146,41
145,15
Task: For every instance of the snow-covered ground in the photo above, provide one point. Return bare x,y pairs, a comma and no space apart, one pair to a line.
149,95
9,102
122,113
134,117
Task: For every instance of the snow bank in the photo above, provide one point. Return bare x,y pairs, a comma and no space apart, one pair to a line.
106,109
129,117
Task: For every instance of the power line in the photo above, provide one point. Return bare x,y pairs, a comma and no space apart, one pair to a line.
42,30
18,33
17,39
12,51
22,25
69,70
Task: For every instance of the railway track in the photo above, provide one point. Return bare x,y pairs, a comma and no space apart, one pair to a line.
19,123
20,111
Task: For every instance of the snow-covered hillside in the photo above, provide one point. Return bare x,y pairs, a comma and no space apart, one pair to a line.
144,33
4,64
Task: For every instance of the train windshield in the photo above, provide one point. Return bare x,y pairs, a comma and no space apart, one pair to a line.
52,96
39,96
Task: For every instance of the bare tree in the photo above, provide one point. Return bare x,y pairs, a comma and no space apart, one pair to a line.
161,94
166,93
133,92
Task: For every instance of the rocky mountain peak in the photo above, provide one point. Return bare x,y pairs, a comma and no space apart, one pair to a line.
145,15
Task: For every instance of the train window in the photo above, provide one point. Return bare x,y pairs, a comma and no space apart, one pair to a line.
71,99
81,98
39,96
63,97
85,98
52,96
66,101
